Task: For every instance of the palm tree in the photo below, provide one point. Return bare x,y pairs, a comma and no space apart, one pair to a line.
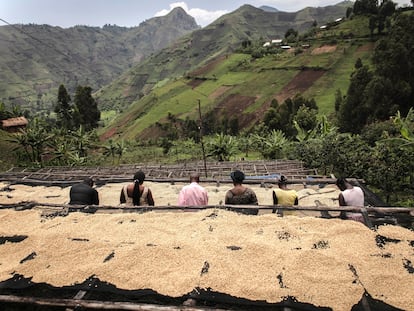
222,147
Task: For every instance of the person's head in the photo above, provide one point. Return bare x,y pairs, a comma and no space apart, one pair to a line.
139,177
282,181
88,181
195,177
237,177
342,183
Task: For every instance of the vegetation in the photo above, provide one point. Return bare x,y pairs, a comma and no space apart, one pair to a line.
230,106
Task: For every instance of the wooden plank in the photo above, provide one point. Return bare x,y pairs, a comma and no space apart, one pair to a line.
99,305
357,209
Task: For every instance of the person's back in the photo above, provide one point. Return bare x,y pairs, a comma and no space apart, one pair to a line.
136,194
83,194
350,196
145,196
353,196
241,195
286,197
193,194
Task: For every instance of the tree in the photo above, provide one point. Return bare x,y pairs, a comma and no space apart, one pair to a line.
365,7
63,109
353,113
87,108
394,61
280,117
291,34
306,117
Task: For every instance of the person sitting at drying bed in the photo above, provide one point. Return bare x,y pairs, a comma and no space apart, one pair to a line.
193,194
284,196
136,194
83,193
350,196
241,195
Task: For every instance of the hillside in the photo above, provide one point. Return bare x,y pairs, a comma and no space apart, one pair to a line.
222,37
235,85
36,59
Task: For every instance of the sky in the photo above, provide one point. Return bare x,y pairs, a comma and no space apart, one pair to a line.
130,13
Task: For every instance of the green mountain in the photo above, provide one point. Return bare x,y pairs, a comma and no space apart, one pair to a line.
210,67
36,59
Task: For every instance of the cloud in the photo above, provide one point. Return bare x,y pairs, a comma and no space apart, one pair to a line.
202,17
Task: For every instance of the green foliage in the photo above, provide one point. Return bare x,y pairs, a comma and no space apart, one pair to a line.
221,147
4,112
64,109
353,113
86,108
281,117
271,145
378,94
115,150
394,63
33,141
390,168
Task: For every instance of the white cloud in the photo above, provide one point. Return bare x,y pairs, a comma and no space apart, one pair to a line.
202,17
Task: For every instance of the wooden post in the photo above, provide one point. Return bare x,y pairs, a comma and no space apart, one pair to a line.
201,138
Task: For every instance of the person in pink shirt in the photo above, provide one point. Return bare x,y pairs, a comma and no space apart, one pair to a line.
193,194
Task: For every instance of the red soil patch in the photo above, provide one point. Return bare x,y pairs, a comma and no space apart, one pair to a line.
195,82
324,49
220,91
366,47
234,105
151,132
108,134
299,84
207,68
200,72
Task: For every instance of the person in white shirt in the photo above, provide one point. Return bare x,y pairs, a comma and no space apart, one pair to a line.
193,194
350,196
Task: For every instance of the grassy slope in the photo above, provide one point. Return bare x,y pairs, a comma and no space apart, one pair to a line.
263,78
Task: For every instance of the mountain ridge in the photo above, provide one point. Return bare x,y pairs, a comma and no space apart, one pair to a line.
37,58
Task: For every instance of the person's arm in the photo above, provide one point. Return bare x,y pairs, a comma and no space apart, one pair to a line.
206,197
96,197
181,198
122,198
275,200
253,198
227,198
150,198
342,202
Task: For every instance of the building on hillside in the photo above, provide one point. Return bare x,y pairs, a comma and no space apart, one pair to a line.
13,125
277,41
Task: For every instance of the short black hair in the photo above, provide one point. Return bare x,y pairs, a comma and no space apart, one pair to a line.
282,180
237,176
89,181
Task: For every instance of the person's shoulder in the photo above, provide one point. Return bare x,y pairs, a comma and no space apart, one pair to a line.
250,190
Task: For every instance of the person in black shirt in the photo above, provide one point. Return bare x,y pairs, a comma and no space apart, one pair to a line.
83,193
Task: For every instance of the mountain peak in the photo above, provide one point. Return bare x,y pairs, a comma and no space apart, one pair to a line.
179,15
268,9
